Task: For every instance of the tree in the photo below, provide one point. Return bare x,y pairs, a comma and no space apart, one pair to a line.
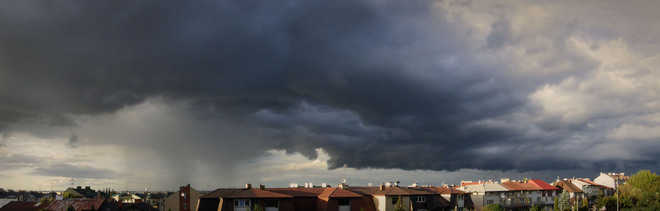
68,195
564,200
257,207
556,205
535,208
399,205
494,207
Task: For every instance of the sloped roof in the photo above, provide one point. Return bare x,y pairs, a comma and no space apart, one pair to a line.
221,192
593,183
247,193
543,185
518,186
298,192
77,204
485,187
568,186
23,206
338,193
618,176
365,191
399,191
3,202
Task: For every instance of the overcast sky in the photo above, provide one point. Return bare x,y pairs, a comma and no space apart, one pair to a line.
158,94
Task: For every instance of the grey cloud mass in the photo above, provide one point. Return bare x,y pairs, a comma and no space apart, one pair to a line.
436,85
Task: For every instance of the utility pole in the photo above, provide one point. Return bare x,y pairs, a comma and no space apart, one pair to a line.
616,187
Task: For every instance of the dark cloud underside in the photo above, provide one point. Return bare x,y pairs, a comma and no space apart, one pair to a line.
376,84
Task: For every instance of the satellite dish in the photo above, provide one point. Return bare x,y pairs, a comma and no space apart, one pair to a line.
343,180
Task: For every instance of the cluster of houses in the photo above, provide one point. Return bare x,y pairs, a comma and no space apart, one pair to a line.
469,195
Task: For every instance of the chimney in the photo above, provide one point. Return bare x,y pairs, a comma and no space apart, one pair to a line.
262,187
87,188
382,187
248,186
79,187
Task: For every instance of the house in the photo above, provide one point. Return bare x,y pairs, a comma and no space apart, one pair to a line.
303,198
127,197
339,199
450,199
244,199
412,199
591,189
529,193
611,180
574,192
80,192
185,199
548,194
485,194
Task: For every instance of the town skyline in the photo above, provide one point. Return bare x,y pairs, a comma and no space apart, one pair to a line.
158,94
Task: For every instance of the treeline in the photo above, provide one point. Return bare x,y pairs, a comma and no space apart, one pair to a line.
641,192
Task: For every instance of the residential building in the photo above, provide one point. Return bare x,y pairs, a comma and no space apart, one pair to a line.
486,193
611,180
185,199
575,192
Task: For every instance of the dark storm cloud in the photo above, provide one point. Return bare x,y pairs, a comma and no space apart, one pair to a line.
375,84
67,170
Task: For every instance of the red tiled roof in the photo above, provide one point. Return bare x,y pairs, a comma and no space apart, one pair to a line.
221,192
518,186
23,206
298,192
338,193
365,191
543,185
398,191
252,193
77,204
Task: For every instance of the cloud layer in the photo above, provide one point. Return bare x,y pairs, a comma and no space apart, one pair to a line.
446,85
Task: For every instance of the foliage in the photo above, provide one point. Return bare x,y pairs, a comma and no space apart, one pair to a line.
257,207
494,207
69,195
585,202
564,200
556,204
399,205
44,199
535,208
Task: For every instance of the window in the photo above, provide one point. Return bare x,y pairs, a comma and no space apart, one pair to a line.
489,202
344,202
185,206
421,199
241,203
272,203
394,200
538,199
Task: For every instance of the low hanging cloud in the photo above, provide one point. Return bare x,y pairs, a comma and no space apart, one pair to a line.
375,84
